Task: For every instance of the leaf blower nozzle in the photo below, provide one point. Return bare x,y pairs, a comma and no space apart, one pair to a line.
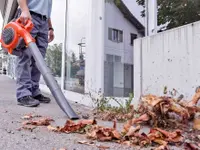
13,33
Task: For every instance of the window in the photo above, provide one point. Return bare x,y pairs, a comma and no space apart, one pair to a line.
117,58
109,58
115,35
113,58
133,37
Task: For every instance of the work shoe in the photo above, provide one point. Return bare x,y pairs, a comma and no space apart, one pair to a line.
41,98
28,101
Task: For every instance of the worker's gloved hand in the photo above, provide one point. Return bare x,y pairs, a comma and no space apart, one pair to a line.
25,16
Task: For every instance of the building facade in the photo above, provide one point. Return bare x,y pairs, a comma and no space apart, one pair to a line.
93,52
121,28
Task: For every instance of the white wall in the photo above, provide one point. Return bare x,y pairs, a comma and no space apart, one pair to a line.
115,19
94,81
169,59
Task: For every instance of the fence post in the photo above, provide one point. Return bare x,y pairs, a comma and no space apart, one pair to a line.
137,55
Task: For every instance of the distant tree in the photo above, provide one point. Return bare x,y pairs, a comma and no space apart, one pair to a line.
54,58
176,12
73,57
74,65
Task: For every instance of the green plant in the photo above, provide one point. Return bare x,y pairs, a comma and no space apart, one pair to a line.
165,90
103,104
128,102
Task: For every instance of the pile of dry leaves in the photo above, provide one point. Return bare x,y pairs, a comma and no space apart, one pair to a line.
168,118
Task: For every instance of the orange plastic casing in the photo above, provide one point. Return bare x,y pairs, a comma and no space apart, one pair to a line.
20,30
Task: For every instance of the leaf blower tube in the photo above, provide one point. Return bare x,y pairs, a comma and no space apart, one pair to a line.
11,35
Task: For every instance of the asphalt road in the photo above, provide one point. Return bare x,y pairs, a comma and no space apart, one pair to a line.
40,138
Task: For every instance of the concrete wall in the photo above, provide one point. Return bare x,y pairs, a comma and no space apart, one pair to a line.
169,59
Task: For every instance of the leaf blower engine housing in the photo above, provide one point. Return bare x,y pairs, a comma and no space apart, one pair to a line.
15,35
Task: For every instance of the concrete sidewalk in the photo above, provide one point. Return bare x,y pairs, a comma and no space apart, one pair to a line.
40,138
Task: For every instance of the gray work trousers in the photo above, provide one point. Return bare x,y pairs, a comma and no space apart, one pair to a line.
27,73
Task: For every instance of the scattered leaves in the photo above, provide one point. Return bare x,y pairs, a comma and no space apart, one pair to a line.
71,126
30,116
29,127
190,146
103,134
196,124
162,147
40,122
101,147
164,115
51,128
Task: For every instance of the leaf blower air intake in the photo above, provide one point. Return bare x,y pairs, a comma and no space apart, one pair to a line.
11,35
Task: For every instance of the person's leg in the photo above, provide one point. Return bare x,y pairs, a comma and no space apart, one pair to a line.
42,43
23,74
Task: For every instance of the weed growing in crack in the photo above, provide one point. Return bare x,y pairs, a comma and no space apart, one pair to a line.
122,111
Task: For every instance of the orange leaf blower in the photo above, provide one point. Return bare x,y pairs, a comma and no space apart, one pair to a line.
11,36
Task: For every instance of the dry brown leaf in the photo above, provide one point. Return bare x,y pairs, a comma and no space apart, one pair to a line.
30,116
104,138
40,122
102,147
115,124
27,117
172,136
162,147
29,127
198,144
195,99
178,109
133,130
127,126
116,134
196,124
190,146
103,133
127,143
55,129
162,137
141,119
151,100
87,143
92,134
140,139
160,141
71,126
87,122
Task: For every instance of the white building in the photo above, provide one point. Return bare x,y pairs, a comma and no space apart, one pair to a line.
101,37
121,28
